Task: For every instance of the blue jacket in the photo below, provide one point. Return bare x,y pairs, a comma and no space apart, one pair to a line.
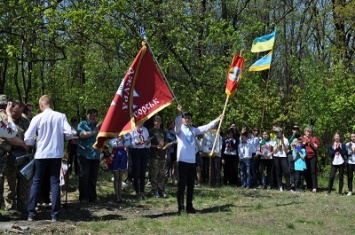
341,149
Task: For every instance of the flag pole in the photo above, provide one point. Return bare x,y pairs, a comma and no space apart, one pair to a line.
216,141
220,123
156,61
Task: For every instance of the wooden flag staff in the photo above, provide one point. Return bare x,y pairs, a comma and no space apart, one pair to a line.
216,140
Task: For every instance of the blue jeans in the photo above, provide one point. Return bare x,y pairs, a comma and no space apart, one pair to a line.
245,175
52,166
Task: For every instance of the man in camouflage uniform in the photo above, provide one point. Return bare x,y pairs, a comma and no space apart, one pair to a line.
157,158
17,188
4,146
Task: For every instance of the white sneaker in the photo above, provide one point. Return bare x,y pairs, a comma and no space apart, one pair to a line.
349,194
281,190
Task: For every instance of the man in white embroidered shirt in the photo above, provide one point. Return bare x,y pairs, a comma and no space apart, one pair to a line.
51,128
186,156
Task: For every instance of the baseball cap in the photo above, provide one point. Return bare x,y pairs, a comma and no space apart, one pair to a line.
187,113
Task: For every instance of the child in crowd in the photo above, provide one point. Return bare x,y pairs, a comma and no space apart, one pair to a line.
245,154
229,158
119,162
299,154
266,161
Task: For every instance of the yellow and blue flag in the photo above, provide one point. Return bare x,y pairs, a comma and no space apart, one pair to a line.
262,64
264,43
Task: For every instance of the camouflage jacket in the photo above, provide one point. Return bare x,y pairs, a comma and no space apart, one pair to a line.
22,125
3,144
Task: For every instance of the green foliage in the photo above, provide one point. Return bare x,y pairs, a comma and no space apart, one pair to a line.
78,52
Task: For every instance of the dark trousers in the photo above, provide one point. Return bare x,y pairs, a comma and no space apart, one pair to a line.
215,171
44,196
205,169
311,173
266,172
333,171
88,173
254,168
299,175
351,168
291,166
281,166
139,167
187,172
230,174
40,167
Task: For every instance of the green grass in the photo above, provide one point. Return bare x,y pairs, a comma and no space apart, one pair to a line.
225,210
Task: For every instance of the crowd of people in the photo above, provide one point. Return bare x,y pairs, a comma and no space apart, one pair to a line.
183,153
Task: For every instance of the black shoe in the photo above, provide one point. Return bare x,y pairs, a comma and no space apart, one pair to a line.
181,209
191,210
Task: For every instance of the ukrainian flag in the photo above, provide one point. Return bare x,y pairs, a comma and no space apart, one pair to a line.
262,64
264,43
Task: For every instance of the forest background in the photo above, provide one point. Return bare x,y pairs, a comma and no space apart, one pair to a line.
78,52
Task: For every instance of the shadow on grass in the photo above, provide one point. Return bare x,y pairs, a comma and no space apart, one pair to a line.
214,209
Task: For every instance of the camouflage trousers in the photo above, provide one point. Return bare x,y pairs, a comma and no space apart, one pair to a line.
157,174
3,158
17,187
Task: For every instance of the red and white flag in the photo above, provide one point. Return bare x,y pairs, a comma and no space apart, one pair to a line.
234,74
142,93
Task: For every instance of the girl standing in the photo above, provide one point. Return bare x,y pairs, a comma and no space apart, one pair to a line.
119,162
337,151
266,161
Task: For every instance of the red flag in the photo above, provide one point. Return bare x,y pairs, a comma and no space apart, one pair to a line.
234,74
142,93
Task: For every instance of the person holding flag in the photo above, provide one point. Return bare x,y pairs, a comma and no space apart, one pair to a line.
187,147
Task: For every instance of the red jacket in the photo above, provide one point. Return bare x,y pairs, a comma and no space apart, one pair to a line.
310,151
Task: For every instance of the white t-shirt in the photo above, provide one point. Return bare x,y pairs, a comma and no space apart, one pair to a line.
279,149
351,152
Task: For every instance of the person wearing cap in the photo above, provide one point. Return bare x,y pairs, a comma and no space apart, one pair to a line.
8,130
311,144
157,158
280,148
293,140
187,147
17,188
